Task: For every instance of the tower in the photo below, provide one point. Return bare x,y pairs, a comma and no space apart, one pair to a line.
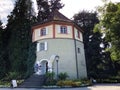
60,37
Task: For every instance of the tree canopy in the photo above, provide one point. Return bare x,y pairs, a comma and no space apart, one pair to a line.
19,36
109,25
92,40
45,7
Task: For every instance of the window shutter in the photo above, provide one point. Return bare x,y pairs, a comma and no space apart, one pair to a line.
78,34
68,30
58,29
39,32
75,34
46,46
38,47
81,36
46,30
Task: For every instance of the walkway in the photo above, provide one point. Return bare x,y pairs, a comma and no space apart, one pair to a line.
95,87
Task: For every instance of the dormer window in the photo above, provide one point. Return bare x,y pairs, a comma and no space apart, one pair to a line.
63,29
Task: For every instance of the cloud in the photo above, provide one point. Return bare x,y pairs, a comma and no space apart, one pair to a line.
6,6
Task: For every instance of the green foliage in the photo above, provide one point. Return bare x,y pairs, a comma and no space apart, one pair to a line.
111,7
5,84
76,84
55,4
110,22
3,58
18,37
12,75
50,78
46,7
31,59
65,83
68,83
92,40
108,80
63,76
50,75
43,10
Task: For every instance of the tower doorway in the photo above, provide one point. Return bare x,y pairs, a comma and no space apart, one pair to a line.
44,67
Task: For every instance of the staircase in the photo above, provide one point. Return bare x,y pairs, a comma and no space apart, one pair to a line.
35,81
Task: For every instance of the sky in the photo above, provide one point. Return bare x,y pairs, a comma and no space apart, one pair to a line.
71,7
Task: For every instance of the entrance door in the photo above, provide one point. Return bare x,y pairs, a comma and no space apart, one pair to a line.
44,67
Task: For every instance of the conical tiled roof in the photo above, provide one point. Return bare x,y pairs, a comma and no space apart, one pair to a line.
57,16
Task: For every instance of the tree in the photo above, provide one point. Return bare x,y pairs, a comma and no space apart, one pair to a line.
45,7
43,10
2,62
92,40
55,4
20,35
110,23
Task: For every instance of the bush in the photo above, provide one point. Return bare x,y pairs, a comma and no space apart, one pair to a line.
68,83
12,75
63,76
5,84
50,82
50,75
76,84
64,83
50,78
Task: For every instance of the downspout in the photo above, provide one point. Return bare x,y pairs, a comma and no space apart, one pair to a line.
76,57
75,51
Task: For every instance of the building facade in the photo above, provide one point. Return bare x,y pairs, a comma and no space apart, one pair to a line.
60,47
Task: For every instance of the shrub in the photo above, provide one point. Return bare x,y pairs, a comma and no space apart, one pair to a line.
50,75
68,83
60,83
50,78
76,84
5,83
12,75
63,76
64,83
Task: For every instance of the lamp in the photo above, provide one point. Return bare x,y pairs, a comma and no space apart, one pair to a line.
57,59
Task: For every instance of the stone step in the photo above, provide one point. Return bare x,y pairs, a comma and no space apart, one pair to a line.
35,81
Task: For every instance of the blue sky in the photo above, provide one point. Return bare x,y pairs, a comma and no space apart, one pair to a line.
71,7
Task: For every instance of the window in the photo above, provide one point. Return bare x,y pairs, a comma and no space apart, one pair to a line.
43,32
78,50
63,30
41,46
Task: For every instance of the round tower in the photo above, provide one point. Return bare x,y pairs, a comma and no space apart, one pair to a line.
60,47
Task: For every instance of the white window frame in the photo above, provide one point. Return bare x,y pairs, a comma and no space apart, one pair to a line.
42,46
63,30
78,34
43,31
38,47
